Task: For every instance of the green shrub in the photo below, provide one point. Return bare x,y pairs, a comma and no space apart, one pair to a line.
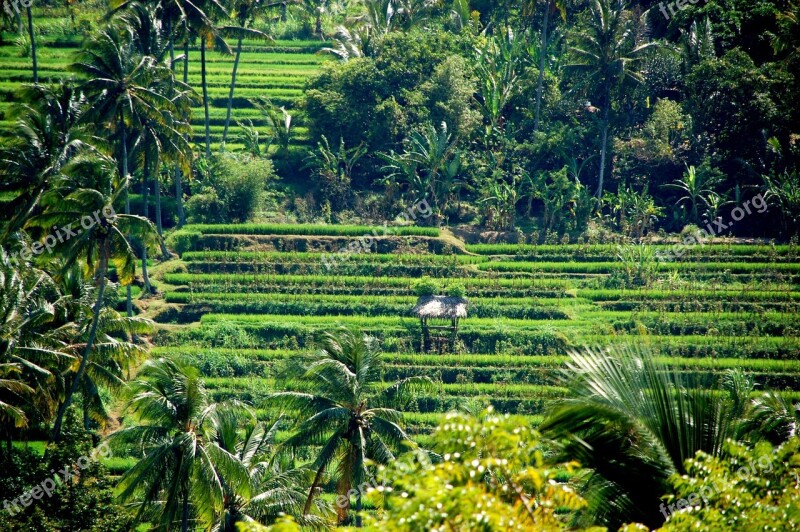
233,190
426,287
206,207
456,290
243,180
183,240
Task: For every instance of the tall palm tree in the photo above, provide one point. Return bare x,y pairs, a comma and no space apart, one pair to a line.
48,134
549,7
111,356
604,56
271,487
165,140
32,351
124,89
210,36
32,37
245,11
99,244
346,412
183,471
632,422
180,20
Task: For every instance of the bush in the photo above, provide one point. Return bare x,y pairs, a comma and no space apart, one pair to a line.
233,190
426,287
206,207
243,180
456,290
183,240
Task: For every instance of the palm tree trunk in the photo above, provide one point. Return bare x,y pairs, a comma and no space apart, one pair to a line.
205,93
603,149
124,140
314,486
177,175
233,86
318,22
148,288
32,37
87,423
358,508
186,54
98,305
542,55
159,227
185,514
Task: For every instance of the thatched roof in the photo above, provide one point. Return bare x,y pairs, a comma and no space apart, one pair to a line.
441,307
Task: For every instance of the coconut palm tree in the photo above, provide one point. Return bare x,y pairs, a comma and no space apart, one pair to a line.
244,13
124,89
210,37
101,241
604,57
632,422
112,355
32,37
183,472
271,487
549,7
345,412
32,352
167,139
48,134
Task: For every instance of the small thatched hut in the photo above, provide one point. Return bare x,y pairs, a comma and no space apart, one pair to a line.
439,317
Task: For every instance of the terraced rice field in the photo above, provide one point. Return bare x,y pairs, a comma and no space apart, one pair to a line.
277,70
246,298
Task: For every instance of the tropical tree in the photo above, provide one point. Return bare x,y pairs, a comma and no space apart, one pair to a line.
428,167
32,37
125,91
111,359
782,190
697,189
102,241
495,465
183,472
634,422
210,36
605,52
498,66
49,133
32,350
163,140
346,412
334,168
271,487
244,13
548,8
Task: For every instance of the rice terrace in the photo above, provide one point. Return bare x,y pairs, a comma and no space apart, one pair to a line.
446,265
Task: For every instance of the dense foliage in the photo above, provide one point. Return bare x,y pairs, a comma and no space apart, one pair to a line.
569,167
